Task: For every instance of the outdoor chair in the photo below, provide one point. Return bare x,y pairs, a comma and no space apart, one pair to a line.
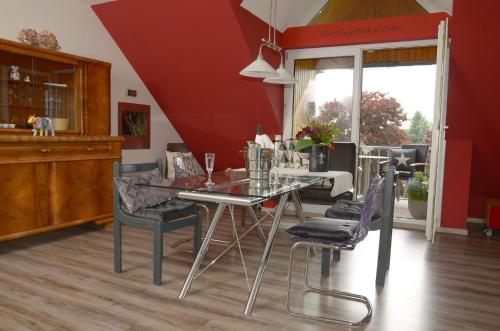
407,160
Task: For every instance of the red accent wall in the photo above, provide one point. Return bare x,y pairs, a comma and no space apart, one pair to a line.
390,29
189,54
457,179
473,111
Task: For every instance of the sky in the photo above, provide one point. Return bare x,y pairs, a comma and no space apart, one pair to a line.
411,86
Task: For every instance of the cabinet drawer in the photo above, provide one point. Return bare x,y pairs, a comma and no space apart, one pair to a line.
57,152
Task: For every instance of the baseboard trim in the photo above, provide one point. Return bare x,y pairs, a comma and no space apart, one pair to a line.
461,232
476,220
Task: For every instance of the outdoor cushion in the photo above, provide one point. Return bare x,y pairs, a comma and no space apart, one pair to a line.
167,211
402,158
326,230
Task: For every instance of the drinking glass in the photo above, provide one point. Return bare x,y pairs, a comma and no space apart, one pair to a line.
209,165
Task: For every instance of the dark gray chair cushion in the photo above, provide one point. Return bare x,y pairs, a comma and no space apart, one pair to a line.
351,210
167,211
324,230
346,210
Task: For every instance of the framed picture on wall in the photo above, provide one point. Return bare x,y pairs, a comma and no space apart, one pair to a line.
134,124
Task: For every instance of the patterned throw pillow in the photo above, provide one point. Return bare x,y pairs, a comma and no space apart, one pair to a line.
402,158
301,160
185,166
170,162
135,197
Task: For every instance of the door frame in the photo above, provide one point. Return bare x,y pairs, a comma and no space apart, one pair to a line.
339,51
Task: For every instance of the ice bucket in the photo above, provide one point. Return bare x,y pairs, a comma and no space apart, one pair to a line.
258,164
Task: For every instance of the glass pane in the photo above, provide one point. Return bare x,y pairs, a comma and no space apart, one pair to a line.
397,109
16,89
56,92
30,86
237,183
324,92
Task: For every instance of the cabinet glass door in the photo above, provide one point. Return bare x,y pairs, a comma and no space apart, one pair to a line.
33,86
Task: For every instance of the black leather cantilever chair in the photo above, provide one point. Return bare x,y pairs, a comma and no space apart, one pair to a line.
167,216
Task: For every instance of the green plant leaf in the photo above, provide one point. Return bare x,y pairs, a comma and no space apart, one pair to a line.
304,143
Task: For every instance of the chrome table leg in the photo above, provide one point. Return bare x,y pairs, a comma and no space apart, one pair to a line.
203,250
255,220
298,206
266,254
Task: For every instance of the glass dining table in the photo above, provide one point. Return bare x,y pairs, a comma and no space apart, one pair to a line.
234,188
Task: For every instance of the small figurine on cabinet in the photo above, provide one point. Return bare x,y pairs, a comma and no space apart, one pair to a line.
14,73
42,125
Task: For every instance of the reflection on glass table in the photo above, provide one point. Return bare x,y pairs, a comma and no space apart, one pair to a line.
237,183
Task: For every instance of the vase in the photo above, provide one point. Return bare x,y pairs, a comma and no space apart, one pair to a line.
318,159
417,209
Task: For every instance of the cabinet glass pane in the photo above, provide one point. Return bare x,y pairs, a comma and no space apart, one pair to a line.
40,87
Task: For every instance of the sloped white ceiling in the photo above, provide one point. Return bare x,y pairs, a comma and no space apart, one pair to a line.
288,12
300,12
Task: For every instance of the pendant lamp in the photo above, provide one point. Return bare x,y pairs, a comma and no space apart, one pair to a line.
284,77
259,68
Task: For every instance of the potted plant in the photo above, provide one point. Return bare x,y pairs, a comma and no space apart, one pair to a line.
318,137
417,190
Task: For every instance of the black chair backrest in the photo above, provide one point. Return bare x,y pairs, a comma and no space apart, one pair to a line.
177,147
344,158
420,156
140,167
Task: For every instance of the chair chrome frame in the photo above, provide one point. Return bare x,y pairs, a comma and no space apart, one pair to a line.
336,293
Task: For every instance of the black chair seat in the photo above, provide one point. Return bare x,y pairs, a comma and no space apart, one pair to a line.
324,230
167,211
351,210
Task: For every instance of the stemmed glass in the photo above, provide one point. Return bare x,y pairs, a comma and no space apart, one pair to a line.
209,165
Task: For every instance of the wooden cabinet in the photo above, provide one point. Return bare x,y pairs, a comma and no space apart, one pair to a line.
53,182
47,183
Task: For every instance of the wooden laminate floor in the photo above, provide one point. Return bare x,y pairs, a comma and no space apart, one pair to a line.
64,280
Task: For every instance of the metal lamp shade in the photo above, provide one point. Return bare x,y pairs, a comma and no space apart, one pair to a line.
259,68
284,77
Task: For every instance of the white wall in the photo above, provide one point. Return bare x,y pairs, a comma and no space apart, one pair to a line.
80,32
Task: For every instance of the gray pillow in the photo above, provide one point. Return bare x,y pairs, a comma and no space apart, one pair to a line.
186,166
402,158
136,197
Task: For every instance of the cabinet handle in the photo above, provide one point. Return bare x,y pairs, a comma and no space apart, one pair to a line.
90,149
45,150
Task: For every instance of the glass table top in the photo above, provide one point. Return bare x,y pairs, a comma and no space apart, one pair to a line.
237,183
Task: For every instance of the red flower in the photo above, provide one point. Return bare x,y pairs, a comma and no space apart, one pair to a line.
332,148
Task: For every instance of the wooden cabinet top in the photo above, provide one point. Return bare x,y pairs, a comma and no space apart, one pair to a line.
27,49
58,139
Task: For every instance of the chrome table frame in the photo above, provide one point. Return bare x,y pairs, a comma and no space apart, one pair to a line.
224,201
